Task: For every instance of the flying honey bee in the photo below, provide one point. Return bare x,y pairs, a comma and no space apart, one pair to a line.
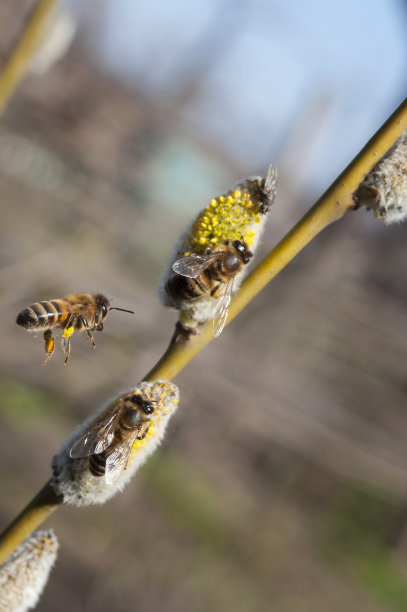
80,311
108,444
211,275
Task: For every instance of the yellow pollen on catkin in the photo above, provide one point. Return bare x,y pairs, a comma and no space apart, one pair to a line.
228,217
166,399
140,443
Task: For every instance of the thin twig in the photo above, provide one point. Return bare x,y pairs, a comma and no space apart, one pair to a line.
39,508
21,55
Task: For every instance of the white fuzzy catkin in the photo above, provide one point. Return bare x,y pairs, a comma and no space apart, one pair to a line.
24,574
72,478
385,188
57,36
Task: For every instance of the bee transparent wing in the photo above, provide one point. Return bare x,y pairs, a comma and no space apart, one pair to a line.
117,461
193,265
270,188
222,308
95,440
270,182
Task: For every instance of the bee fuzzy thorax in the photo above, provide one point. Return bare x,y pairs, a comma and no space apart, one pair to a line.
80,479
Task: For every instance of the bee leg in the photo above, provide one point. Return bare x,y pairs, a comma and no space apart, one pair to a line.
215,290
143,435
89,334
68,331
49,344
66,345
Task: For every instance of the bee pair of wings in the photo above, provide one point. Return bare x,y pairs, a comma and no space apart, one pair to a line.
98,439
193,266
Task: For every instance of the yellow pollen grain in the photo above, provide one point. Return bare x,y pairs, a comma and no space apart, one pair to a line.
228,217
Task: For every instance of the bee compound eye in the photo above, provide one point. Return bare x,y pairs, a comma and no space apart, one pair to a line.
243,250
103,309
148,407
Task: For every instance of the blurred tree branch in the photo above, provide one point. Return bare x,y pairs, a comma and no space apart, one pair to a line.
21,55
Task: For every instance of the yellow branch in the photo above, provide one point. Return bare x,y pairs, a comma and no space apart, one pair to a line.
336,201
21,55
39,508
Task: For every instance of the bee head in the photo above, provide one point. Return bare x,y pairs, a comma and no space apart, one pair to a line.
102,308
243,250
146,405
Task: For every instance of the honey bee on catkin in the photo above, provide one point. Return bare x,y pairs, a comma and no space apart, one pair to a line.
102,455
201,277
108,444
83,312
213,254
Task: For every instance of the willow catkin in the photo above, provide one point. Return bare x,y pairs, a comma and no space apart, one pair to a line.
384,190
25,573
72,477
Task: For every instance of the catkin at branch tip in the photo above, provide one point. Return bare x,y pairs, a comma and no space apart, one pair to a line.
24,575
384,190
237,215
73,479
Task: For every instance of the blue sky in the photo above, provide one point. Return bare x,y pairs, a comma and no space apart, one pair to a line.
275,64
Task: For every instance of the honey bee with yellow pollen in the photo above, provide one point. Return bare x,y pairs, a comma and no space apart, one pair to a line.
211,260
211,274
79,311
109,443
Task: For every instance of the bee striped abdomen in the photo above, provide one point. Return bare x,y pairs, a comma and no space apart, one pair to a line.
43,314
97,464
186,288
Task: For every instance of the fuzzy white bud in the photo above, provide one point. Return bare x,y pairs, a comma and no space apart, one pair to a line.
24,574
58,34
385,188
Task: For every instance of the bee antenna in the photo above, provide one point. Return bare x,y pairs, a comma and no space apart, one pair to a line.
122,309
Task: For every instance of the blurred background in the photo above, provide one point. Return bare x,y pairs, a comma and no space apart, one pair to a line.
282,481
